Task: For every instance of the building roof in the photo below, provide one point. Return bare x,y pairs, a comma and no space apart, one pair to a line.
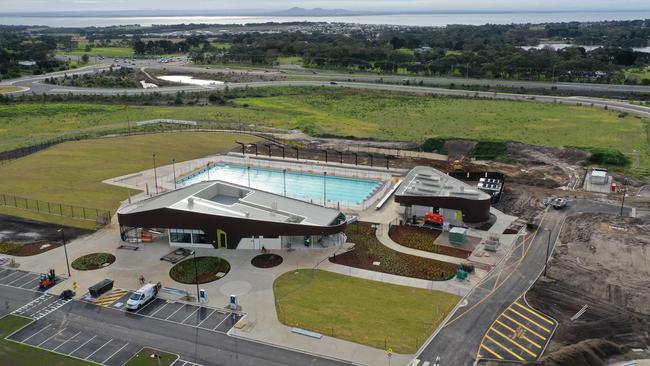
599,173
426,182
226,199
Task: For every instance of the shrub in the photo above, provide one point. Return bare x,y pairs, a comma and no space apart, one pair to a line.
490,150
608,157
434,144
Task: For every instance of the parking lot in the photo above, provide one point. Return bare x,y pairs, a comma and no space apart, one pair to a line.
213,319
41,306
22,279
75,342
520,334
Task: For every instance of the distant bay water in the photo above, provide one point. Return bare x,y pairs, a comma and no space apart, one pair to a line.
436,20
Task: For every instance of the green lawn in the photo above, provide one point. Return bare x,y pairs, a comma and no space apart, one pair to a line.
637,73
290,60
367,312
72,172
144,358
17,354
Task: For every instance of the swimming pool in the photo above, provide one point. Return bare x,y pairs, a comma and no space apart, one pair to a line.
304,186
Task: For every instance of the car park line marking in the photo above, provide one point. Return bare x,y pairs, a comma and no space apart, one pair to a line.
68,340
108,299
505,348
206,318
97,350
52,336
42,329
172,314
116,352
156,312
492,352
530,320
221,322
415,362
9,283
525,327
534,313
194,312
86,342
514,342
505,326
21,277
146,305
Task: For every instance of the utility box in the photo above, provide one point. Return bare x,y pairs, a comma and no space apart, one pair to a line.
492,243
100,288
203,295
233,302
457,235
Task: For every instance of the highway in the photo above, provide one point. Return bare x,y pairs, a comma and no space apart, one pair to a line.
457,342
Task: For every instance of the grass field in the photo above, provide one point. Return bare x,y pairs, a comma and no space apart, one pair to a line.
101,51
367,312
352,113
143,358
72,172
16,354
8,89
290,60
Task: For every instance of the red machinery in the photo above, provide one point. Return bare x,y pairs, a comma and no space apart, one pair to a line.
47,280
433,218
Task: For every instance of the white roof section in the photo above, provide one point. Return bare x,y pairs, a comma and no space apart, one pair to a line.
599,173
232,200
426,181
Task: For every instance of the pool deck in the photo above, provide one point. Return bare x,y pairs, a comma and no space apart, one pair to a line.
146,180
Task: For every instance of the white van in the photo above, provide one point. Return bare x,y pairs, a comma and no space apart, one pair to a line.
144,294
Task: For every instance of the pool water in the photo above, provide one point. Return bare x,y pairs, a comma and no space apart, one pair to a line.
305,186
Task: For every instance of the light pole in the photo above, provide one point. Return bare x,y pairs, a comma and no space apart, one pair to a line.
65,250
284,181
248,169
207,168
174,170
196,276
325,189
155,174
624,192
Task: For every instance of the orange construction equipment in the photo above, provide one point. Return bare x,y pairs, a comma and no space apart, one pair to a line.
433,218
146,237
47,280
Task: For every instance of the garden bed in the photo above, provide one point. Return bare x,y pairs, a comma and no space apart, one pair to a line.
368,250
267,260
90,262
424,239
207,268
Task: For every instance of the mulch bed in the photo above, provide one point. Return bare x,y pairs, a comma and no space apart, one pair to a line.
267,260
422,239
368,249
25,250
207,268
91,262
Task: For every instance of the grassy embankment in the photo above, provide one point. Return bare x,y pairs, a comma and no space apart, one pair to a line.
18,354
373,313
73,172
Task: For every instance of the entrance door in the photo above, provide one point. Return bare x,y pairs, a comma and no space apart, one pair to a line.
222,239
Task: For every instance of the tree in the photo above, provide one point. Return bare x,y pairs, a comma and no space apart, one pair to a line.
85,58
397,42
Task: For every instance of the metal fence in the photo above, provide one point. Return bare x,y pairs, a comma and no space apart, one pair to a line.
101,217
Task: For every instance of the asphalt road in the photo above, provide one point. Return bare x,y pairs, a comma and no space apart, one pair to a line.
191,343
458,341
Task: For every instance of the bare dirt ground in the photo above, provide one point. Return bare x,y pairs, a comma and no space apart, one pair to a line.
23,237
600,261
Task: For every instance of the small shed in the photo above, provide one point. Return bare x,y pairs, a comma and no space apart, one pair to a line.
598,176
457,235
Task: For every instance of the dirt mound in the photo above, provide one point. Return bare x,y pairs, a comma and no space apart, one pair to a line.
458,149
533,154
520,202
590,352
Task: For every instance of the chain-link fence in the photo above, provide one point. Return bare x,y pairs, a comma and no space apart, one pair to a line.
101,217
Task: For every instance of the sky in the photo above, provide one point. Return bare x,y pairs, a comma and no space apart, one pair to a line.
367,5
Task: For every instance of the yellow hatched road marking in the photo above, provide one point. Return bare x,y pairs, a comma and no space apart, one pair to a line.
505,326
491,351
525,327
531,342
534,313
514,342
505,348
530,320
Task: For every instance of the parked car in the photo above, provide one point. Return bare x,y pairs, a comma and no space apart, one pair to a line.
141,297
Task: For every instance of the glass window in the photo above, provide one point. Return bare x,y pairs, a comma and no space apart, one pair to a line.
198,237
180,236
